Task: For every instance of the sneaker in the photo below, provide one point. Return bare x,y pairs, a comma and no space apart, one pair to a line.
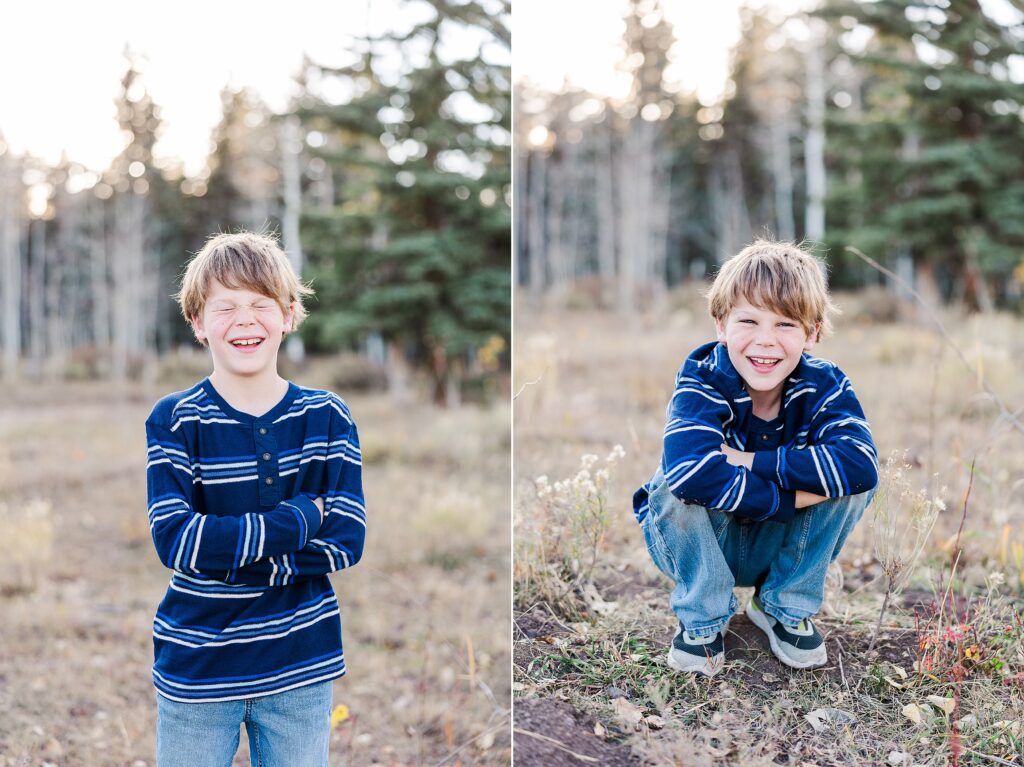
800,647
705,655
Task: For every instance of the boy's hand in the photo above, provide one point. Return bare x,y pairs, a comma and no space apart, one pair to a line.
738,457
319,501
805,499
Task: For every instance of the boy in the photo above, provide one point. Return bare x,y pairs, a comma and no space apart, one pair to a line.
767,465
255,494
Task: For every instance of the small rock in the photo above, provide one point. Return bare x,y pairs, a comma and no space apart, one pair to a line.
615,692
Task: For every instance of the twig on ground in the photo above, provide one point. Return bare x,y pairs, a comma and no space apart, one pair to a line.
842,672
534,382
996,759
469,742
1005,412
556,743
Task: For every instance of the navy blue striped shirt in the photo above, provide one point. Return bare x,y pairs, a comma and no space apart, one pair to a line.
249,610
820,443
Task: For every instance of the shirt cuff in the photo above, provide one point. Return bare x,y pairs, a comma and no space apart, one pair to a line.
310,512
765,465
787,506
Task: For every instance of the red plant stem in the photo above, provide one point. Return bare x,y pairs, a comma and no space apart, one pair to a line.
954,555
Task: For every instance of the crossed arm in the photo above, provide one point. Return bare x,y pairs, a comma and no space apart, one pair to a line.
735,457
301,538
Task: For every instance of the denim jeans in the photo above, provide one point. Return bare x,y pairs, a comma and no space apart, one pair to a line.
286,729
707,552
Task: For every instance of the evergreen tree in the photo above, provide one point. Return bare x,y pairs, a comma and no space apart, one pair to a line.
941,132
416,247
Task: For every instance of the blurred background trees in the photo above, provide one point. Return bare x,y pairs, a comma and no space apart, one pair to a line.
388,180
893,127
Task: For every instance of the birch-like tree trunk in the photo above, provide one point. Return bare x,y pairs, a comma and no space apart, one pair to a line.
291,150
606,221
12,207
814,147
535,240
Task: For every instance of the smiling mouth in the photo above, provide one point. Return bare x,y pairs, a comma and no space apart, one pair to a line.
247,343
763,364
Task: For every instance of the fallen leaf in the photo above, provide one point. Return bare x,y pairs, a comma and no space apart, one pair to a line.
945,705
599,730
894,683
629,714
654,721
912,711
900,671
770,678
821,717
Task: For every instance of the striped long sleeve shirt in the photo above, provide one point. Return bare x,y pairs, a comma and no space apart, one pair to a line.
249,610
820,442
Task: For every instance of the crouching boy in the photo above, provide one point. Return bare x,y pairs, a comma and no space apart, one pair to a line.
255,495
767,464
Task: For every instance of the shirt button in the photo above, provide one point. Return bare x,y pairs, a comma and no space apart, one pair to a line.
266,456
764,437
263,430
269,480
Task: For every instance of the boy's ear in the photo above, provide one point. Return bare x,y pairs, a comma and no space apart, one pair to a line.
720,328
197,328
812,338
288,317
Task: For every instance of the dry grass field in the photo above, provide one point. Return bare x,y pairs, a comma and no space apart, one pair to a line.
425,613
944,683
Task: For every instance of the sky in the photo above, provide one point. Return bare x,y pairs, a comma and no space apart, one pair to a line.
580,41
62,62
555,40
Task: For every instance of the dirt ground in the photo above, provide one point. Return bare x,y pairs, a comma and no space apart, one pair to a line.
425,613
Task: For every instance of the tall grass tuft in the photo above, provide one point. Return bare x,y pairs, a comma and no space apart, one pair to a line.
560,536
901,523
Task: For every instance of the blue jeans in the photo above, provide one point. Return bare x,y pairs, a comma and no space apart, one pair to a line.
286,729
707,552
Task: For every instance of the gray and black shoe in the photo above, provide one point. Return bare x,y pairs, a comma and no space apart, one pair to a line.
704,655
799,647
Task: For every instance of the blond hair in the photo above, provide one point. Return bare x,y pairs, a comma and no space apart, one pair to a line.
242,260
779,276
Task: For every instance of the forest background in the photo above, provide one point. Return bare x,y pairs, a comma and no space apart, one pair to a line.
887,136
388,179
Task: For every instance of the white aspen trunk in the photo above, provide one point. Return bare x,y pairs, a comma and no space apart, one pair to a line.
535,221
661,197
98,277
291,149
60,301
37,289
814,148
782,175
605,171
11,207
554,218
632,248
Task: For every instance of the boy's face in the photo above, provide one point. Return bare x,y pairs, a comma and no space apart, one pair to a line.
243,329
763,346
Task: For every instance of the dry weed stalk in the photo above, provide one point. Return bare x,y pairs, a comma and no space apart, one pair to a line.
901,523
560,547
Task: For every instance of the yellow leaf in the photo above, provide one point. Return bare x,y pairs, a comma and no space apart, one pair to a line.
339,715
943,704
912,712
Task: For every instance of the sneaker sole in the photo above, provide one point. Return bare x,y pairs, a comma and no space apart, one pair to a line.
684,662
808,658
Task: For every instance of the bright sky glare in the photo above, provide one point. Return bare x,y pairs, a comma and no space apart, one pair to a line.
559,40
63,62
579,41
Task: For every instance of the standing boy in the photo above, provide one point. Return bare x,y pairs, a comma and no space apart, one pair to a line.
768,464
255,495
